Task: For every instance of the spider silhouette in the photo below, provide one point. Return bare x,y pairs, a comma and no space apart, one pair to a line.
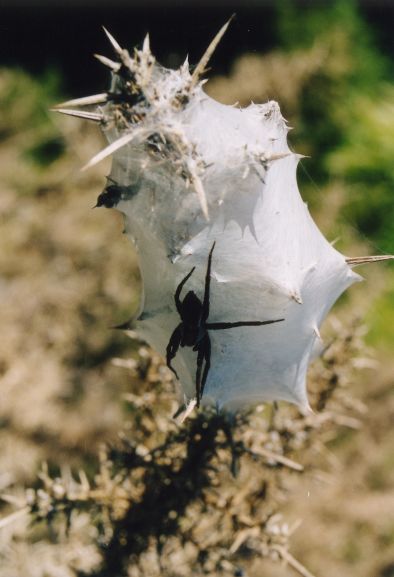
193,329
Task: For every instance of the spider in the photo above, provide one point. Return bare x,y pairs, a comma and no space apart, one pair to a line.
110,197
113,194
193,329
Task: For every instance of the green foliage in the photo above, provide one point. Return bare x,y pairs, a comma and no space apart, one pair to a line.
360,65
25,116
381,318
24,101
364,160
45,151
339,21
346,112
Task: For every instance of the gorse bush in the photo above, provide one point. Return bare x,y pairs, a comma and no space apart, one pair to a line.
125,489
203,497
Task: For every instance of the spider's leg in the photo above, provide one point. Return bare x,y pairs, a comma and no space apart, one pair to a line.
204,353
179,290
200,360
205,304
207,363
173,346
221,326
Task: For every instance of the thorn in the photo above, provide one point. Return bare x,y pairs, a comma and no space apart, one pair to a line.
208,53
12,500
84,480
296,297
108,150
108,62
146,45
85,101
180,417
4,521
285,461
245,173
365,259
114,43
185,65
201,194
305,409
291,561
317,332
277,156
80,114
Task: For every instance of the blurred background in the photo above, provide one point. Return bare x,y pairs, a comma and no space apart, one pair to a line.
67,275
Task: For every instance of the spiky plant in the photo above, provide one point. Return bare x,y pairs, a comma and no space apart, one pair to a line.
190,174
204,498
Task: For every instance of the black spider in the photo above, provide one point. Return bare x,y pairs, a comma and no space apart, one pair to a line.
113,194
193,329
110,197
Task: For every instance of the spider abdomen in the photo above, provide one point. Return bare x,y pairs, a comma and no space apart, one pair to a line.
191,335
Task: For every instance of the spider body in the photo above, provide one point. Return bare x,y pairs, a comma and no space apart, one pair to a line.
110,197
193,329
113,193
191,326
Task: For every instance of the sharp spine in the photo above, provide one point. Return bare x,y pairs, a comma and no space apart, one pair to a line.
85,100
198,187
208,53
80,114
110,149
317,332
146,45
366,259
114,43
108,62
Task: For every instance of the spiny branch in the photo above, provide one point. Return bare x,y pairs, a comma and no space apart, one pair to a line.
355,261
95,116
199,70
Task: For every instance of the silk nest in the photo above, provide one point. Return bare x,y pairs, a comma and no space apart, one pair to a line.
188,171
